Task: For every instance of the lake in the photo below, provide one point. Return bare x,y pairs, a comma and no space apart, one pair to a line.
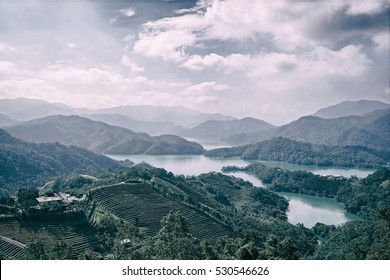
303,209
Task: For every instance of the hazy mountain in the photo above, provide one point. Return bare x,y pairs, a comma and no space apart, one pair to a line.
28,164
153,128
24,109
27,109
283,149
220,130
351,108
5,120
371,130
99,137
178,115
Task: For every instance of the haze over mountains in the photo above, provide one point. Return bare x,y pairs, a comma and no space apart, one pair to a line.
24,109
351,108
220,130
100,137
357,123
371,130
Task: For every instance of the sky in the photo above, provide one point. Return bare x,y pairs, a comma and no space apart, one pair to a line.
273,60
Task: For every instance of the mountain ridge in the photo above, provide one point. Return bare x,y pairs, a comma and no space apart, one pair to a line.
371,130
350,108
99,137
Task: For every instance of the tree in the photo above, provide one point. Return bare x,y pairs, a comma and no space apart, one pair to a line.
174,241
61,251
27,197
36,251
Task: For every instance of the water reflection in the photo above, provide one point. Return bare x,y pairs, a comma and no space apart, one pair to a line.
303,208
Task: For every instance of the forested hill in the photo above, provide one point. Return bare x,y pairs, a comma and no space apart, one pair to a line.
283,149
100,137
24,164
371,130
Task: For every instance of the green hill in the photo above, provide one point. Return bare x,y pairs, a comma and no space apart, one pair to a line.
100,137
283,149
371,130
24,164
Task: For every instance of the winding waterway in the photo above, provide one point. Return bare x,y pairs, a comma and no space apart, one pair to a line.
303,209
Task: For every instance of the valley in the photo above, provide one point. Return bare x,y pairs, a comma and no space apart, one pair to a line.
192,195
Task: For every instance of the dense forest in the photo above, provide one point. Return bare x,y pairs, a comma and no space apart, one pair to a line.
148,213
29,164
368,197
283,149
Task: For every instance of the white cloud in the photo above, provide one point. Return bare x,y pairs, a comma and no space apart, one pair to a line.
169,46
6,68
358,7
4,48
129,12
126,61
382,41
206,88
196,62
72,45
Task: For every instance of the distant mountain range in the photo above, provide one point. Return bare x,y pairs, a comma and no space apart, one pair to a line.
5,120
24,164
351,108
153,128
371,130
357,123
24,109
100,137
219,130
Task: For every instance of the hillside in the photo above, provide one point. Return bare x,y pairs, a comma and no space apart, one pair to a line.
371,130
219,130
351,108
23,163
24,109
211,216
283,149
178,115
5,120
100,137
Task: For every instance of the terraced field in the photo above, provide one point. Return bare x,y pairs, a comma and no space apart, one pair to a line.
75,230
11,250
140,204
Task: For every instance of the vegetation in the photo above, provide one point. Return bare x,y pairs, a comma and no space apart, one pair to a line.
283,149
28,164
100,137
371,131
142,212
151,214
368,197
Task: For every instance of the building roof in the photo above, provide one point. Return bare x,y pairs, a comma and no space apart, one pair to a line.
42,199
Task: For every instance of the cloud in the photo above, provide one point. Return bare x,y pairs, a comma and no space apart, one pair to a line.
206,88
72,45
286,24
170,46
4,48
129,12
381,41
126,61
369,7
196,62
